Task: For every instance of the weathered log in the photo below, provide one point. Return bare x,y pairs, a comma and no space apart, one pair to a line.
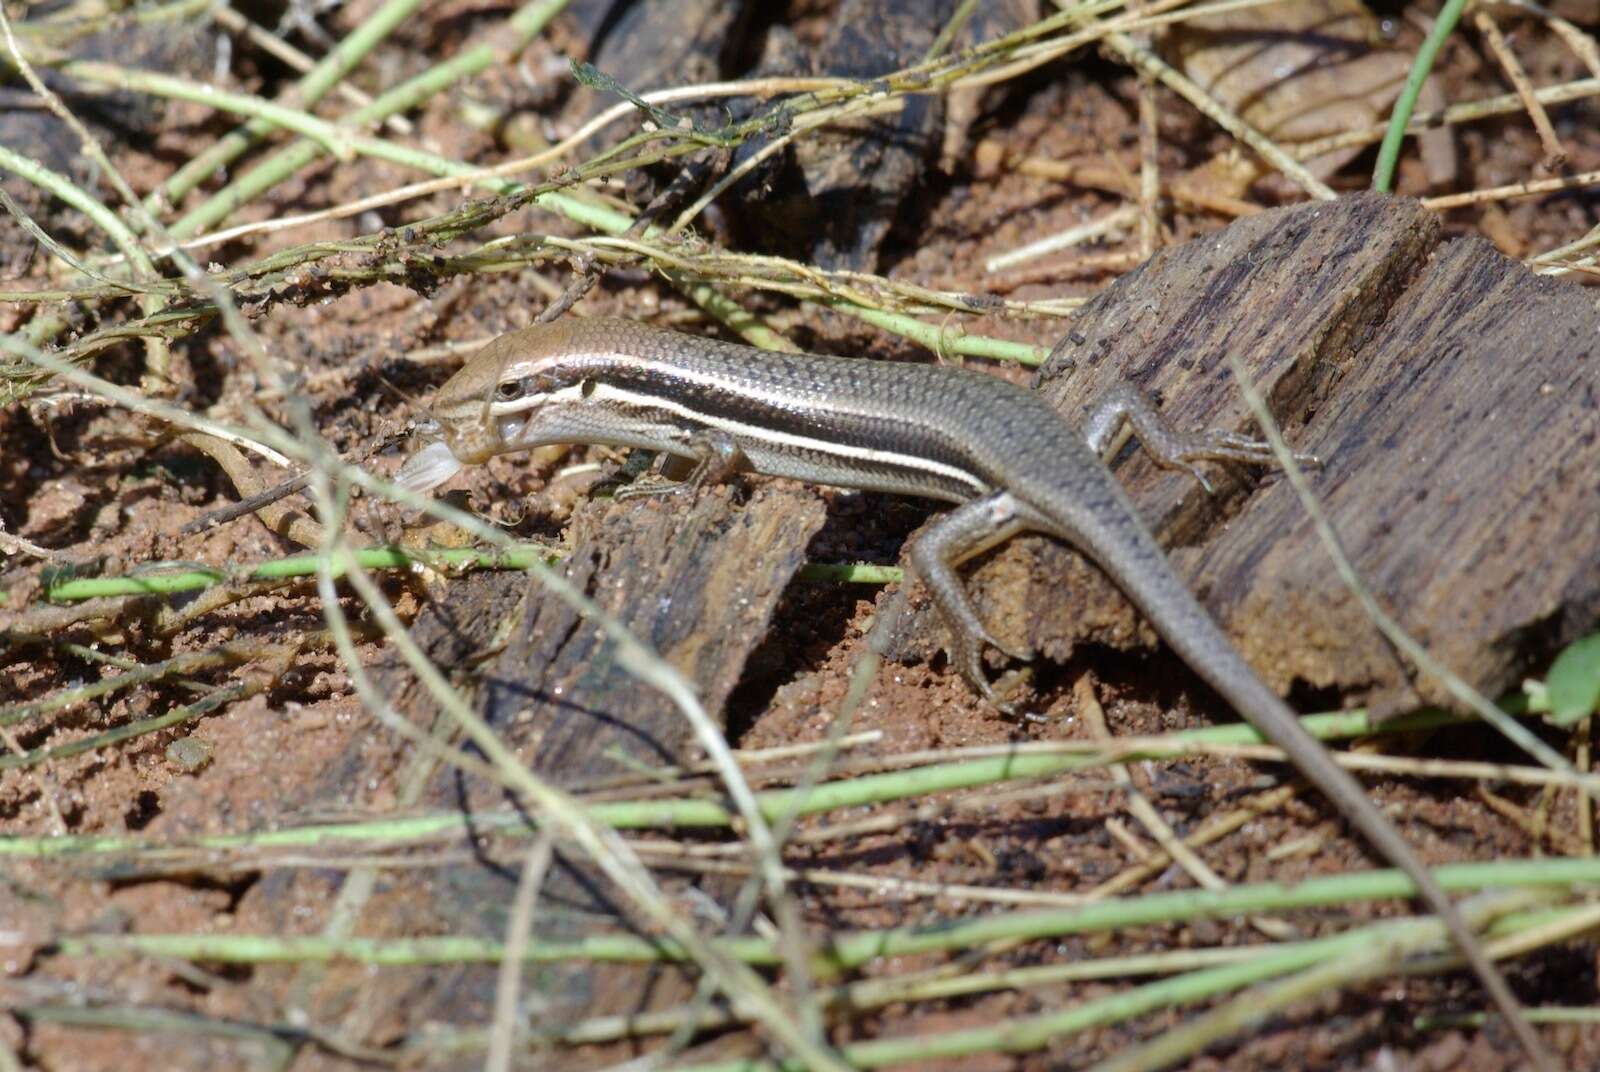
1452,394
698,580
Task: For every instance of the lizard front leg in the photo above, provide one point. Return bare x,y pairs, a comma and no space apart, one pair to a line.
717,458
1126,403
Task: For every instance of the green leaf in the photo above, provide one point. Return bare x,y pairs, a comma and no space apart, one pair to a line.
1574,681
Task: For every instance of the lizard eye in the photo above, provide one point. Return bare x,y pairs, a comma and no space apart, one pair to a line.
526,387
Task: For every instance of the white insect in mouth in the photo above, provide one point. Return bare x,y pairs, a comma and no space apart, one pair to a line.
428,467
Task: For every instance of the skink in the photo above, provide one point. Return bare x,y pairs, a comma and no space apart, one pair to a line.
999,452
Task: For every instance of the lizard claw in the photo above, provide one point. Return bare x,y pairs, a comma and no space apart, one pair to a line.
1022,654
966,654
1200,477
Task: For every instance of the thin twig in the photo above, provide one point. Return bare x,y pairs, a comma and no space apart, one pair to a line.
519,927
17,545
1104,226
1515,189
1582,44
1555,154
244,479
1470,111
1149,160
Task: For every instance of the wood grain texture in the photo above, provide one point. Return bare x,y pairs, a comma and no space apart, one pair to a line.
1293,293
1463,477
1452,395
697,579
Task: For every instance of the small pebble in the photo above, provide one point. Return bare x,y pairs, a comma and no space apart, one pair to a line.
190,753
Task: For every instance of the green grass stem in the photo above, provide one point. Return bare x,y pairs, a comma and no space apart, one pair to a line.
854,792
846,950
1405,105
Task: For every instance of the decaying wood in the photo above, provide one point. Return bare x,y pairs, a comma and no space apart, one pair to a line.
1291,294
650,46
1462,450
1452,394
1454,398
696,579
831,198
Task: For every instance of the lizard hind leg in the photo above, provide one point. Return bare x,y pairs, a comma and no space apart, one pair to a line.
968,530
1127,404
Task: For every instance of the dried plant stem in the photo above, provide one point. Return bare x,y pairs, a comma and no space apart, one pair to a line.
1554,153
1154,67
1471,111
1515,189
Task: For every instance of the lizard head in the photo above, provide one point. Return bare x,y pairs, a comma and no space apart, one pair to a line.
493,404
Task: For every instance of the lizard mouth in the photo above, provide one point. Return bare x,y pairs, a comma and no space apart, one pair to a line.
510,428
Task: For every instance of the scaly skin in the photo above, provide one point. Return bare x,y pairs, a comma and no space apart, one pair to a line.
999,451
